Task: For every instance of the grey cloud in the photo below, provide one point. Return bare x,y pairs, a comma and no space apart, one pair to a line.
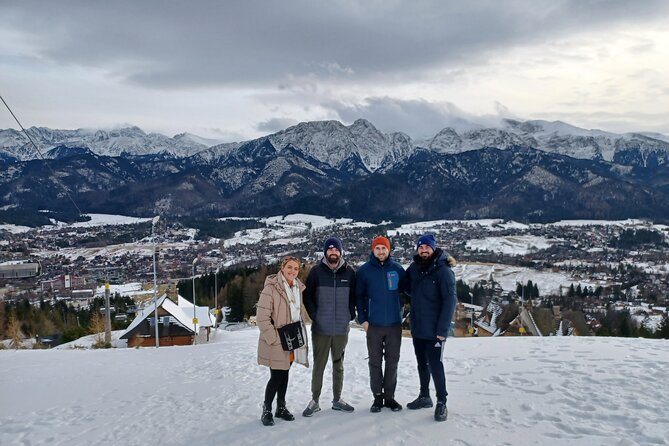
276,124
173,44
418,118
613,122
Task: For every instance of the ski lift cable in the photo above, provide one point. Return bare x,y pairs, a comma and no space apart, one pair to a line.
43,158
69,196
54,176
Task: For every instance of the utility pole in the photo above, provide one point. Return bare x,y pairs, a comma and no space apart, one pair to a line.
155,279
216,297
107,315
195,321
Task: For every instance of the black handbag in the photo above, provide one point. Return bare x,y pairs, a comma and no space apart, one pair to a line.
292,336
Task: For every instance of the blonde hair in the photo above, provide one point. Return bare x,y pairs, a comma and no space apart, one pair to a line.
287,259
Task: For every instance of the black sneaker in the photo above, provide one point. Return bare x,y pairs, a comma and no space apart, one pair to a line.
342,405
282,412
312,408
422,402
266,417
440,411
377,405
393,405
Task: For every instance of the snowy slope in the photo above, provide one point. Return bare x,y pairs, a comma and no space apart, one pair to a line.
503,391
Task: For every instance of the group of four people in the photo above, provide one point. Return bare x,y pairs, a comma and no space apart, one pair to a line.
331,295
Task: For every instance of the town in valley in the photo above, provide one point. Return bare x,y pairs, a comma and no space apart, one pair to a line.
514,279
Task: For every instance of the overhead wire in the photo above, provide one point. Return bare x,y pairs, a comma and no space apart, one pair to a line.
53,173
42,157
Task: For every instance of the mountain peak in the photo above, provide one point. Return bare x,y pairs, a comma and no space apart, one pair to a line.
361,123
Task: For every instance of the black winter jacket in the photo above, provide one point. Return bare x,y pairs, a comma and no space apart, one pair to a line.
329,298
433,296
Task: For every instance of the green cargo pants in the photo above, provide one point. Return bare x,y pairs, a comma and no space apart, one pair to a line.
322,346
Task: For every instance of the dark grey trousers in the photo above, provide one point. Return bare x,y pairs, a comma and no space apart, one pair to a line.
383,343
324,346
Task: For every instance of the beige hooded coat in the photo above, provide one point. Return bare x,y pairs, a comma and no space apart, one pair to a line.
273,306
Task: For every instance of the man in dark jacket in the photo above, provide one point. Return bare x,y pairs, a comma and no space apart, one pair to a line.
329,298
380,313
431,284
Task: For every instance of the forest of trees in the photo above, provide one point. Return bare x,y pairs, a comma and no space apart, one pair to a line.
239,289
23,320
631,238
213,227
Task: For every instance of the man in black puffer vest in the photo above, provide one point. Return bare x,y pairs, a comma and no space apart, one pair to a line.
329,298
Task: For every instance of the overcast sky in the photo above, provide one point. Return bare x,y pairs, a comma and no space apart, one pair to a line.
235,70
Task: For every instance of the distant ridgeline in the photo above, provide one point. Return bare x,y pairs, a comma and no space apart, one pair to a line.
329,169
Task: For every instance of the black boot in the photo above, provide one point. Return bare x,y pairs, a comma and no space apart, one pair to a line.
440,411
282,412
423,401
266,418
377,405
392,404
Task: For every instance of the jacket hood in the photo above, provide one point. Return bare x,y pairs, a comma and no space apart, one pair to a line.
341,263
277,280
273,279
438,256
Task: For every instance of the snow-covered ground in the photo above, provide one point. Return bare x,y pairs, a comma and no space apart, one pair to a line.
512,244
132,289
106,220
491,224
286,229
15,229
507,276
629,222
503,391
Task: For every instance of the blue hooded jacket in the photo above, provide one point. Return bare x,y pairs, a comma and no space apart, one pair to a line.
433,296
378,292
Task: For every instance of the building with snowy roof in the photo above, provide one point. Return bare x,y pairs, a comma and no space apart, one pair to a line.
175,324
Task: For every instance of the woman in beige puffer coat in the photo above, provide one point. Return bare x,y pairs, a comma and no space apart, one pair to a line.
280,304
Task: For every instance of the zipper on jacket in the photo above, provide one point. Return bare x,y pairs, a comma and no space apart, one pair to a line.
334,319
385,279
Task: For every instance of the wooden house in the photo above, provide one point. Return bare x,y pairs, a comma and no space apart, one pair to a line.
175,327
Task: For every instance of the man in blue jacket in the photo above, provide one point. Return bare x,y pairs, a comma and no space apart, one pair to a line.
431,284
379,306
329,298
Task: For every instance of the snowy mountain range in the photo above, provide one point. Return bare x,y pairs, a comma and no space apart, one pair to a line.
332,142
128,140
533,170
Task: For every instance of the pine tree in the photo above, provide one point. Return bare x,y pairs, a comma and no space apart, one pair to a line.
234,298
663,331
252,288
